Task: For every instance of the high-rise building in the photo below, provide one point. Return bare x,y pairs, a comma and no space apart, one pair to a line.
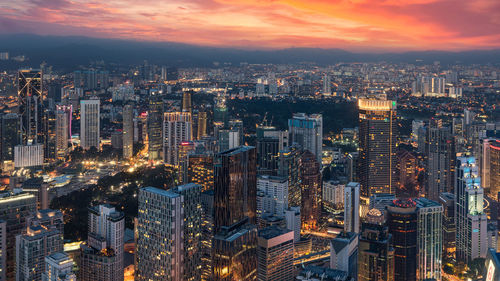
36,242
31,99
307,131
128,131
90,124
15,207
185,148
154,126
292,217
402,223
221,114
58,267
102,254
228,139
91,79
327,87
159,246
407,170
62,134
201,170
310,183
186,102
429,239
176,129
495,168
202,125
351,207
192,248
470,218
28,155
377,146
235,240
275,254
272,195
449,230
49,135
288,166
10,135
440,160
375,253
207,233
344,253
269,143
3,249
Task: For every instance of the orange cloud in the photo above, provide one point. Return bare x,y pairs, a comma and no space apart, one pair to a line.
353,24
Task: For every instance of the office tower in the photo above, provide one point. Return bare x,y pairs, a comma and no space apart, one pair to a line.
201,170
102,254
470,218
292,217
495,168
407,170
91,79
28,155
90,124
30,99
221,114
269,143
58,267
440,160
429,239
310,183
191,210
186,102
375,253
3,249
380,200
49,135
272,195
68,110
159,246
207,233
36,242
351,207
176,129
62,134
327,87
377,146
429,86
9,135
202,125
275,254
185,148
117,140
15,207
307,131
288,166
235,240
128,131
352,166
449,230
402,223
228,139
154,126
344,253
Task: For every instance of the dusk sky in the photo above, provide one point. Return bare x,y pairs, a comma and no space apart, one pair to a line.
359,25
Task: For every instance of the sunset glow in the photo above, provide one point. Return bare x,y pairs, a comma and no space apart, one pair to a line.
364,25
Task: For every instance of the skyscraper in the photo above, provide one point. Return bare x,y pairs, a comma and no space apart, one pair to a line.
351,207
440,159
307,131
36,242
90,124
275,254
495,168
191,210
272,195
176,130
377,146
201,170
128,131
470,218
429,239
102,254
449,230
15,207
31,98
62,134
270,142
154,125
344,253
402,223
10,135
288,166
207,234
310,183
202,125
186,102
375,253
159,248
58,267
49,135
235,240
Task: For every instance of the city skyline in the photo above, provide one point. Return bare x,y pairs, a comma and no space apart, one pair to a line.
361,25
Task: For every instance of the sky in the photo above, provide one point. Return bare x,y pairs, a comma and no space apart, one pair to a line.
356,25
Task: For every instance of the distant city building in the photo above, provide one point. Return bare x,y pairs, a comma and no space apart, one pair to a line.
495,169
128,131
31,99
201,170
58,267
3,249
293,222
269,143
28,155
202,125
272,195
186,102
351,207
90,124
310,183
377,146
207,233
102,254
10,132
176,129
449,230
470,218
307,131
333,193
91,79
289,167
154,126
344,253
62,134
275,254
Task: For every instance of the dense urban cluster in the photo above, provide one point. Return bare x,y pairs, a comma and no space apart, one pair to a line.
353,171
